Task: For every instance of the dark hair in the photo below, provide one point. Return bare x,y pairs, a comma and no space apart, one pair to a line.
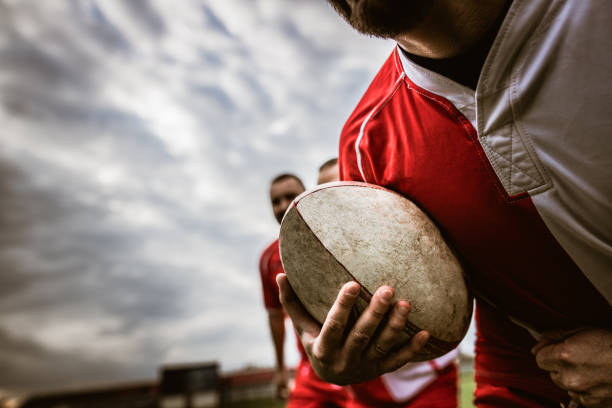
284,176
329,163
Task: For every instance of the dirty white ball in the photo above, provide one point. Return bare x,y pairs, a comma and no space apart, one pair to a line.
347,231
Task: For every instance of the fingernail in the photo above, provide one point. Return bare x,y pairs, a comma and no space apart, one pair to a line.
423,339
403,310
353,290
387,294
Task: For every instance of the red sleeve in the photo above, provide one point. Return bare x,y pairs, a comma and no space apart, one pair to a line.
269,266
378,93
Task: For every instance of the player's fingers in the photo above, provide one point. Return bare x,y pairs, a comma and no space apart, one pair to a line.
544,341
360,335
405,354
555,336
332,332
572,380
391,332
599,396
550,357
304,324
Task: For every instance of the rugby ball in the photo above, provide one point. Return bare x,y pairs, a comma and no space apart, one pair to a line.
346,231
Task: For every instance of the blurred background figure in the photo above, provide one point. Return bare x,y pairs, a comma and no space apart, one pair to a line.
328,171
308,389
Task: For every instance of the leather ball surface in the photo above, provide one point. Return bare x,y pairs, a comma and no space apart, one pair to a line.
346,231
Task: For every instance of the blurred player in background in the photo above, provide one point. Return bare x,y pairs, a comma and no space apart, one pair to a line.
328,171
495,117
309,390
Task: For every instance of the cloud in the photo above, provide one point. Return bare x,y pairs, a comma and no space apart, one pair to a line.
137,145
30,363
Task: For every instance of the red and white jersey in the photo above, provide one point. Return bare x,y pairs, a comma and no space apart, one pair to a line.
402,388
517,174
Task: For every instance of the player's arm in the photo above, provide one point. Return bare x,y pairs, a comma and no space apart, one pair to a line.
346,355
276,320
581,364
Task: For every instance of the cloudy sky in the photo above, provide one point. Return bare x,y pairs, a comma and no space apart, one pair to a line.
137,141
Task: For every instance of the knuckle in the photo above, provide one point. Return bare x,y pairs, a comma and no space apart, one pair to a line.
396,325
319,354
341,368
414,347
565,356
573,383
378,314
345,302
360,338
379,350
334,325
417,346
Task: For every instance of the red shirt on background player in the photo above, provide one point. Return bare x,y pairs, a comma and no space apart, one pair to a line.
495,118
309,390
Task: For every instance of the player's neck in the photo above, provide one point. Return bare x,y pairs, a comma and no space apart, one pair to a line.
453,28
465,66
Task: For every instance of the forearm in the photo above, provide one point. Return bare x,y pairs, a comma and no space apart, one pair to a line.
276,321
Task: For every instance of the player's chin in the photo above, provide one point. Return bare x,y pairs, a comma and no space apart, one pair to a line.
385,18
355,14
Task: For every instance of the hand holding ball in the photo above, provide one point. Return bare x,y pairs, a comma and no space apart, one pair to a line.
347,231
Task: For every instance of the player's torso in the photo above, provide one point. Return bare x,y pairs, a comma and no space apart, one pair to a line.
487,194
270,262
270,265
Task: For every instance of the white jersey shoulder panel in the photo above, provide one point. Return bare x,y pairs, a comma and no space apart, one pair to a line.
547,80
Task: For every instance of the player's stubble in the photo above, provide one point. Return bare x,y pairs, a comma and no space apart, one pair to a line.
383,18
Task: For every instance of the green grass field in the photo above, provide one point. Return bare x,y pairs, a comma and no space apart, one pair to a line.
466,391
